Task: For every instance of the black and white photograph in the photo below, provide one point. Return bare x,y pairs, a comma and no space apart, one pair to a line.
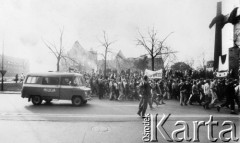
119,71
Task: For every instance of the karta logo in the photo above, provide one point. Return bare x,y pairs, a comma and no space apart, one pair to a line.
152,127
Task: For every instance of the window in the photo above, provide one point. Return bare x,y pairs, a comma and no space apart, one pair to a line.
33,80
79,81
50,81
66,81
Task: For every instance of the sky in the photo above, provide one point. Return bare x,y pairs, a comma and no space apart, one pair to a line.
25,24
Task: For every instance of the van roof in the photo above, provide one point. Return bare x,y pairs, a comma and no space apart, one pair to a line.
54,74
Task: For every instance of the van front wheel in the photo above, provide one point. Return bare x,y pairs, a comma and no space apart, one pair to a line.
76,101
36,100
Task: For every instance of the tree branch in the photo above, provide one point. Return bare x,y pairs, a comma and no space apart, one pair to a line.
49,47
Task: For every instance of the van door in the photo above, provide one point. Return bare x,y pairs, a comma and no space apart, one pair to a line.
50,87
66,88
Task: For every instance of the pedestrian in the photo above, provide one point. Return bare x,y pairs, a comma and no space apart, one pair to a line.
201,91
207,93
154,92
166,89
145,91
189,90
230,97
195,96
111,97
213,90
175,89
16,78
162,91
101,87
22,78
183,94
121,90
91,82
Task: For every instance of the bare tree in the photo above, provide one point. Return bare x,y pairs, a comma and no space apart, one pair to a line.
56,51
190,62
69,60
168,57
154,46
106,44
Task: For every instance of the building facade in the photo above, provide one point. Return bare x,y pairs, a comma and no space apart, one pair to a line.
79,59
14,66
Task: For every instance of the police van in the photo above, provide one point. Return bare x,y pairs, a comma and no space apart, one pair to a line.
55,85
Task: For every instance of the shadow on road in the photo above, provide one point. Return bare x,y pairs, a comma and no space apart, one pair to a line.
56,108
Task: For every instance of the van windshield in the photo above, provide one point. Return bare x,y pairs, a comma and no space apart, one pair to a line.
79,81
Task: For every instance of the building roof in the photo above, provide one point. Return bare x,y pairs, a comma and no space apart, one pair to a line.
54,74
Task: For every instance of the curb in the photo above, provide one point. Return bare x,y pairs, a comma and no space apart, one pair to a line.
10,92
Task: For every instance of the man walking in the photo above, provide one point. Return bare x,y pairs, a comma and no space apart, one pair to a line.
213,90
207,94
145,91
230,97
183,95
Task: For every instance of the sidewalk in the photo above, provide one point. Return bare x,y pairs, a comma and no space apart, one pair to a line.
10,92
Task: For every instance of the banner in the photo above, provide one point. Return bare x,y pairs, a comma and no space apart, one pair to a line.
223,63
222,74
154,74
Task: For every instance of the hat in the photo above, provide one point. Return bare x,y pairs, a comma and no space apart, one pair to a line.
145,77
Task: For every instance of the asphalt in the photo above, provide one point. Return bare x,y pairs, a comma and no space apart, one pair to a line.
99,121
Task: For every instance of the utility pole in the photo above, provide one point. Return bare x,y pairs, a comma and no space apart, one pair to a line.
2,72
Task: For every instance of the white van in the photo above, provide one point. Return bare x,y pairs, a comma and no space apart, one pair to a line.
55,85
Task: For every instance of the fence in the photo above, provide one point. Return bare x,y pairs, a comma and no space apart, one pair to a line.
11,86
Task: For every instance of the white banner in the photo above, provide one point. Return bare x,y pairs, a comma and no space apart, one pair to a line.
154,74
222,74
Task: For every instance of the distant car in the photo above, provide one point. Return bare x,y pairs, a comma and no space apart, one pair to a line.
54,85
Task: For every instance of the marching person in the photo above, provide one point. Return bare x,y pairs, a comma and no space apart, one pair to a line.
230,95
183,94
237,96
121,89
207,94
145,91
188,91
161,92
213,90
154,92
195,96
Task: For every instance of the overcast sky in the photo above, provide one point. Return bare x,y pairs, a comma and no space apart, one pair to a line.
25,23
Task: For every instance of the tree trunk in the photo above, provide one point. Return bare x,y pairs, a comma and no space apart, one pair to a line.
58,62
105,64
152,63
105,67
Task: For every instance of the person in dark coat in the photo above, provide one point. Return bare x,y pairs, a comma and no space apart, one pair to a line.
145,91
230,96
183,94
101,87
16,78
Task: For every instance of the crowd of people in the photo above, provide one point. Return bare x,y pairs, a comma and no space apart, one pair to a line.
208,93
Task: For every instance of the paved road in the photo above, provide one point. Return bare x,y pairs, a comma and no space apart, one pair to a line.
100,121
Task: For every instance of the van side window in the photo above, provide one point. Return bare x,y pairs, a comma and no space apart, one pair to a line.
50,80
33,80
66,80
78,81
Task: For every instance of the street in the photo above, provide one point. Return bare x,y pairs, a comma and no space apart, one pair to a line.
99,121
